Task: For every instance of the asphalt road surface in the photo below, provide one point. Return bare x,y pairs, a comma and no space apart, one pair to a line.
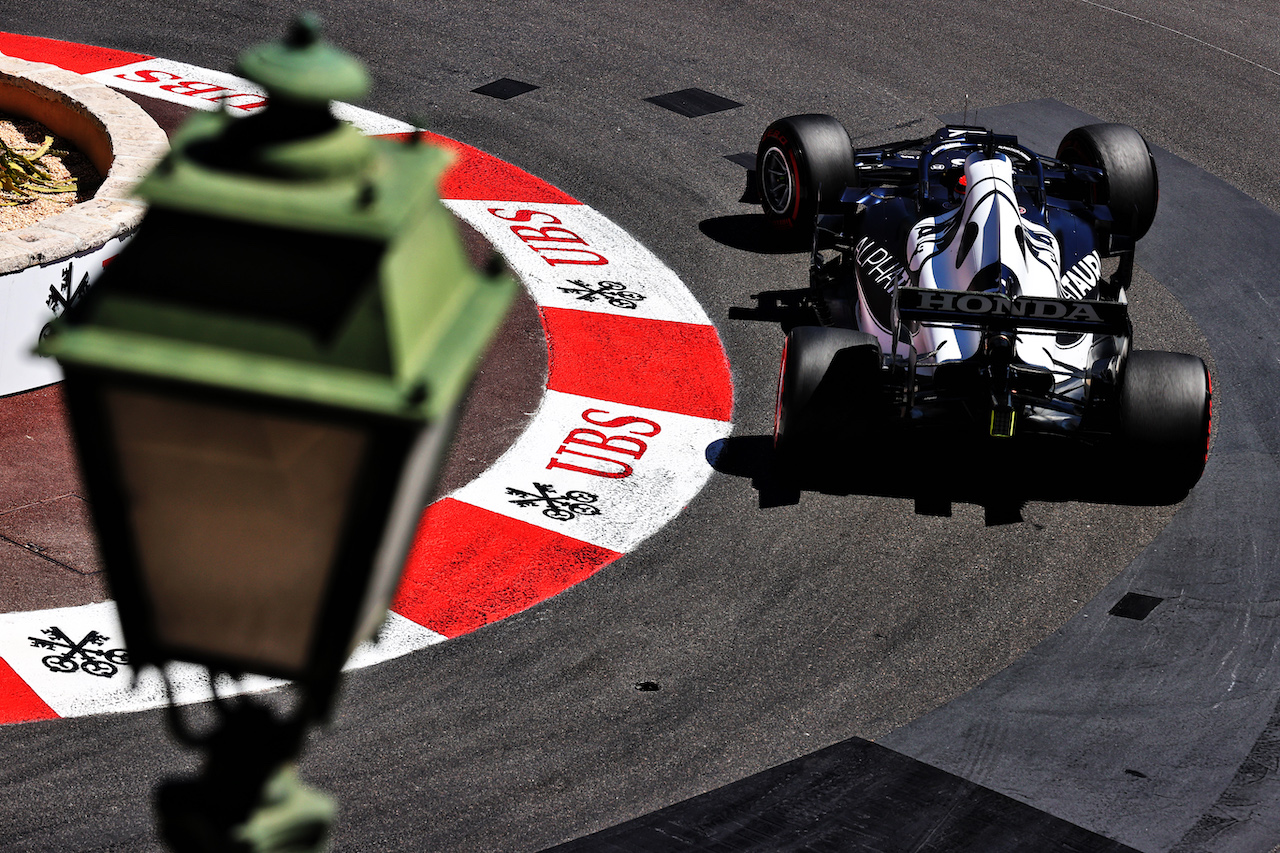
988,651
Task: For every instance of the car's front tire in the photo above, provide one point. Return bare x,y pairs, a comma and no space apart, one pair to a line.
803,164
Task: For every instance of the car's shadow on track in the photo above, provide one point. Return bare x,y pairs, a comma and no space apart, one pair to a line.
935,470
935,473
751,232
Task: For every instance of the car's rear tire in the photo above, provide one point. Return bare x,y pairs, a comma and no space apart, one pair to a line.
1165,414
1132,188
828,381
801,161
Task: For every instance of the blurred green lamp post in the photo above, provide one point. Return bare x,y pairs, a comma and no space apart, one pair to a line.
261,387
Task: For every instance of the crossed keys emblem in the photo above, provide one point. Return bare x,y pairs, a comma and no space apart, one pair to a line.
559,507
613,292
78,656
64,297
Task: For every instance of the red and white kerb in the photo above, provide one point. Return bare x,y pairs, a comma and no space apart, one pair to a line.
638,386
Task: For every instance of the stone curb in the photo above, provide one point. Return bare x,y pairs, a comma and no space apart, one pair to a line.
118,136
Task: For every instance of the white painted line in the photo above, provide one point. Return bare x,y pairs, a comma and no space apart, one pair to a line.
205,89
563,252
75,677
189,85
640,467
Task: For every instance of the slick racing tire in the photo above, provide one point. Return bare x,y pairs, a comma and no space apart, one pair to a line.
1131,188
1165,412
803,160
828,381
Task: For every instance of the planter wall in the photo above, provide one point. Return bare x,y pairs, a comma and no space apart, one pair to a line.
45,267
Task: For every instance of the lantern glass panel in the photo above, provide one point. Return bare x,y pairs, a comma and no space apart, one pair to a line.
237,517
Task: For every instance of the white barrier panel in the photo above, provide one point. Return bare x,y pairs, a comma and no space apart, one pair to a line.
29,299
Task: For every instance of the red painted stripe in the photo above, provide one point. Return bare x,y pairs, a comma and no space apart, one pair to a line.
658,364
469,567
80,58
18,702
477,176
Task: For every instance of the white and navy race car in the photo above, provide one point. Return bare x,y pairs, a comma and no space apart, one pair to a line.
964,282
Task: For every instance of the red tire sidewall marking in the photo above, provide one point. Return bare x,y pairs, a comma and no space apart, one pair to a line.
787,150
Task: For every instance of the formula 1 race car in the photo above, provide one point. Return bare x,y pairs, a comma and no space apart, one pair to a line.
964,282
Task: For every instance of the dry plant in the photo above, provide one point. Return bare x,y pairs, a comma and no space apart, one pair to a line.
23,179
41,173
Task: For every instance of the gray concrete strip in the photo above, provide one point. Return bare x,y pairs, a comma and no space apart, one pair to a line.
854,795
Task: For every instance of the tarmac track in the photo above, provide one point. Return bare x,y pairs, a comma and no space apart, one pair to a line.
774,632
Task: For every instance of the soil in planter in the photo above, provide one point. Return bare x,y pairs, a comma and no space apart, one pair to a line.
63,162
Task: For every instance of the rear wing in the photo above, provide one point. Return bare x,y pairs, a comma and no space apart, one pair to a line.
973,309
